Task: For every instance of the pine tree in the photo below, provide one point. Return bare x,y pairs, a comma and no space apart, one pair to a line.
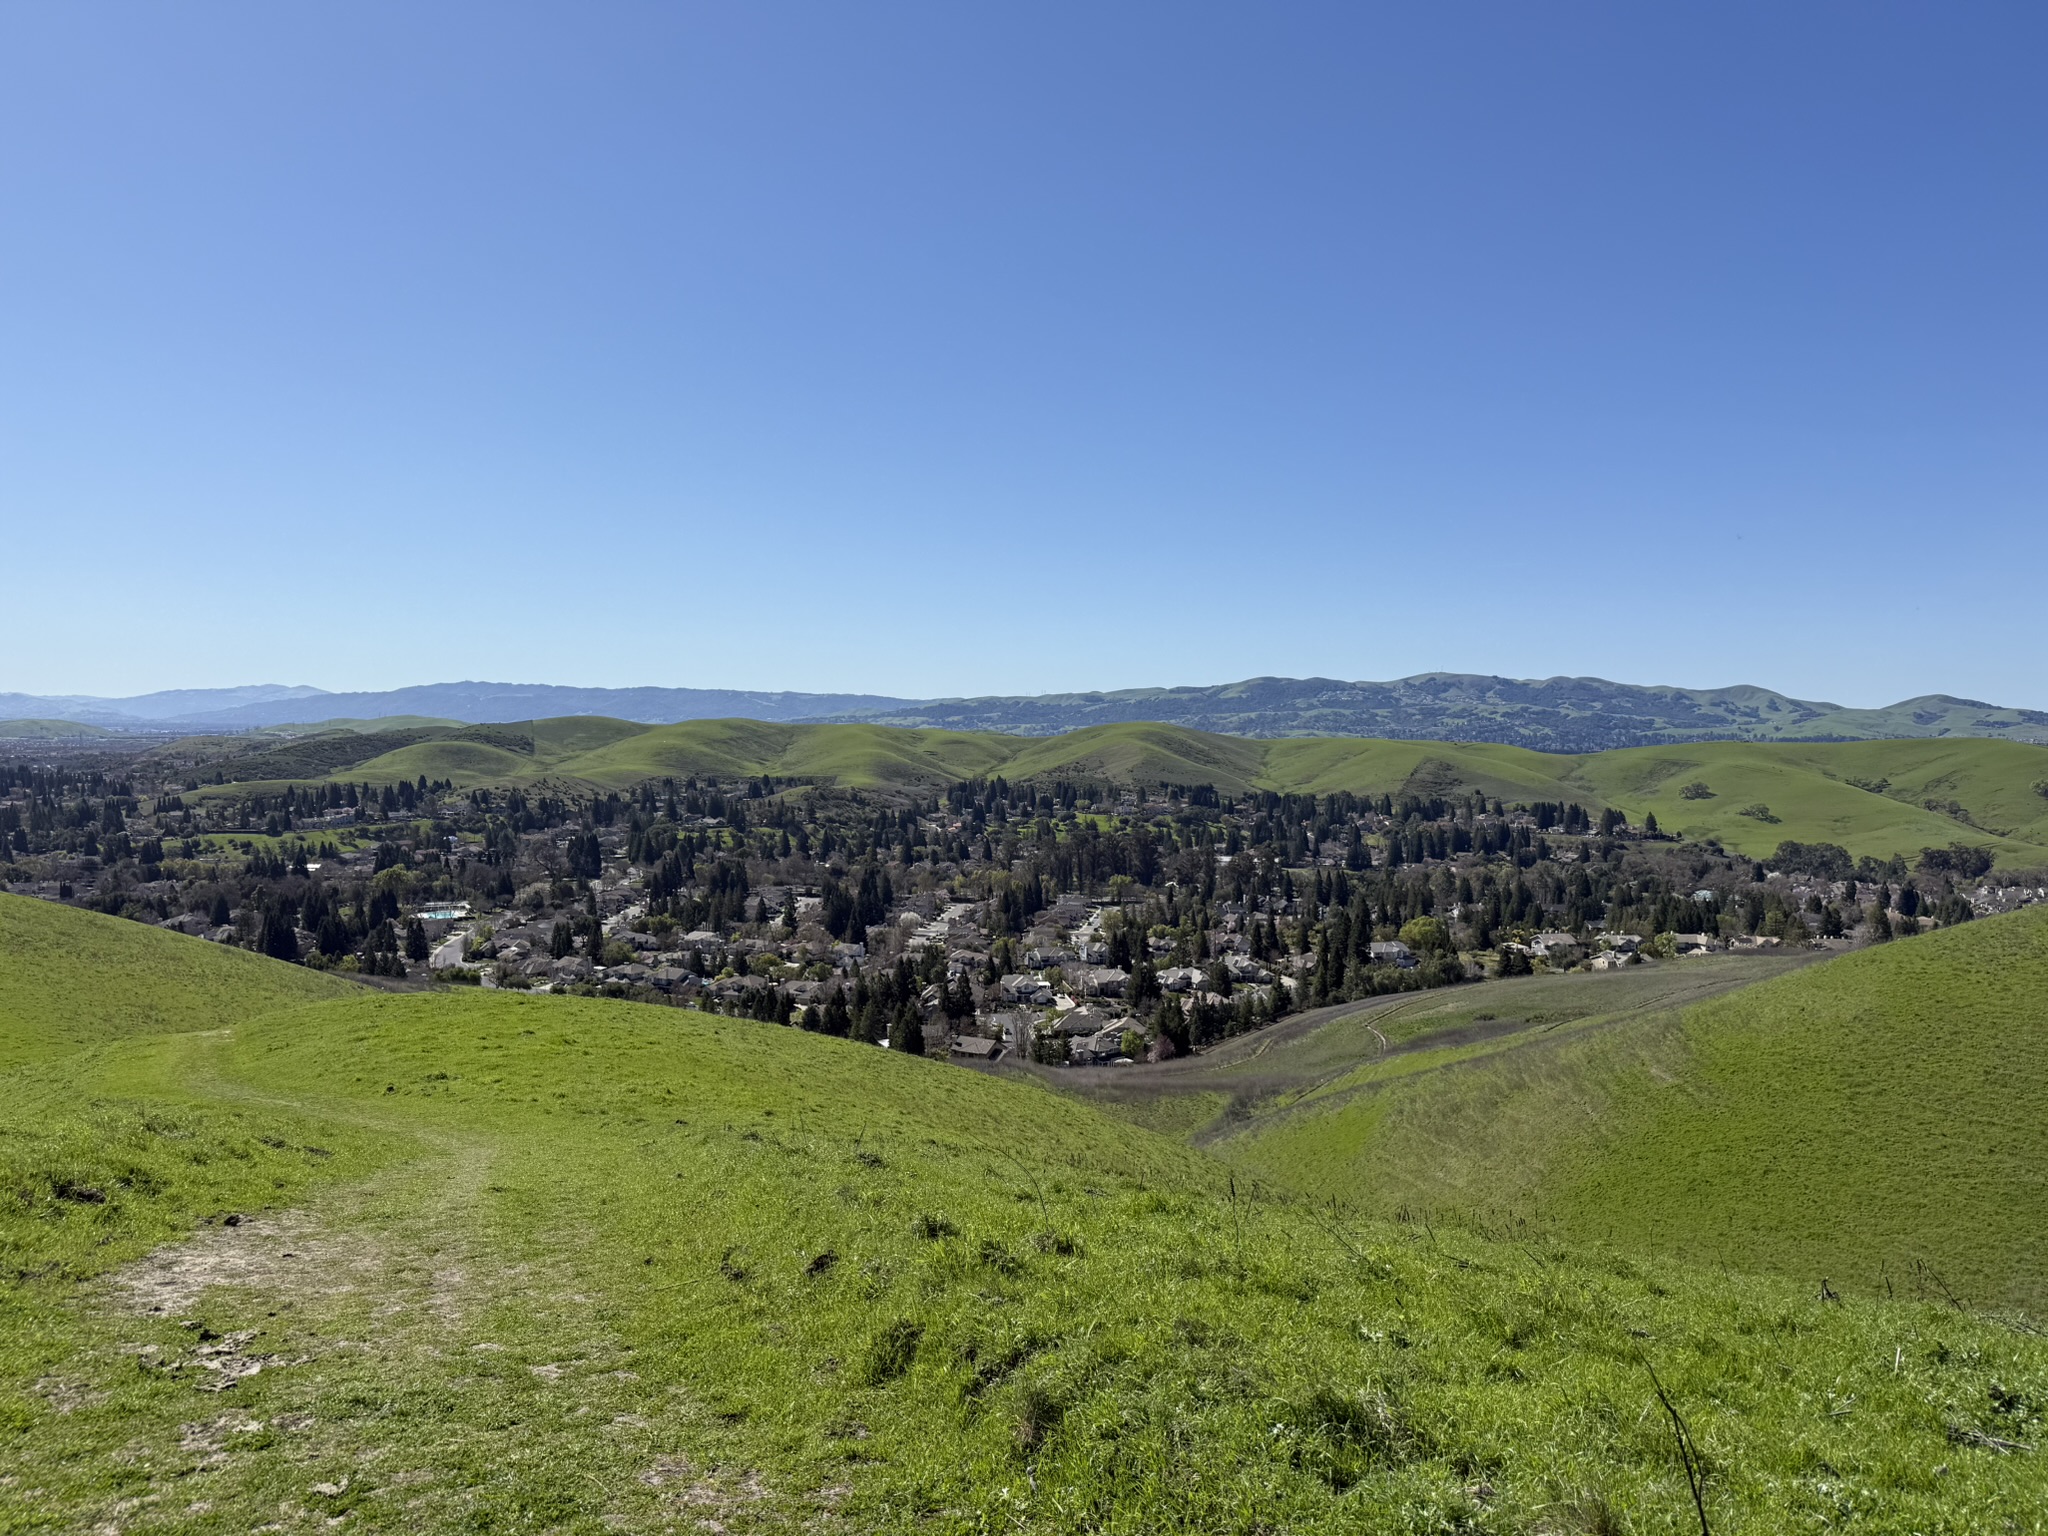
279,940
906,1034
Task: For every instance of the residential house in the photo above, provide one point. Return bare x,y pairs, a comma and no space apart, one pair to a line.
1100,1049
1102,981
1025,987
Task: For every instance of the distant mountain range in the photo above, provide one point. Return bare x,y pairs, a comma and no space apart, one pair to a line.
268,704
1558,714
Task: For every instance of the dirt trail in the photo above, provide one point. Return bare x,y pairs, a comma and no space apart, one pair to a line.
304,1323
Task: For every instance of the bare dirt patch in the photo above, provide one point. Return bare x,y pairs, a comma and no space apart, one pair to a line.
716,1500
288,1253
66,1395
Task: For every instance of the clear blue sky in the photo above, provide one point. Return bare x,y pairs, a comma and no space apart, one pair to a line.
949,348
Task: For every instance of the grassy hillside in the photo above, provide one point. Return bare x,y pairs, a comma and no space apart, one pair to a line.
1323,765
856,754
1865,1117
1877,798
1146,753
1872,797
505,1263
1815,793
70,979
1891,1107
460,762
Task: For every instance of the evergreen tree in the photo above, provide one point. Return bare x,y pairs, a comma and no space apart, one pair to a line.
279,939
906,1033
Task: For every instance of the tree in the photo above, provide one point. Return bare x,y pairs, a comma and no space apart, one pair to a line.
415,940
279,939
906,1034
1427,935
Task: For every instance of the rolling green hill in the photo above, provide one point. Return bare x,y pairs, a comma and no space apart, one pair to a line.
1873,797
1878,798
858,754
492,1263
1882,1113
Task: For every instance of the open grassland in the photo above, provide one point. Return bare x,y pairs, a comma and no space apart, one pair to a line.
1326,1057
121,980
1878,798
1880,1119
476,1262
1888,1109
1814,793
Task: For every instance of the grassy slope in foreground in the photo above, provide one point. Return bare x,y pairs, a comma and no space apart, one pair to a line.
1887,1107
121,979
570,1265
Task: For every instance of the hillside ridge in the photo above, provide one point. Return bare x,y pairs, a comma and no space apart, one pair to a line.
1554,714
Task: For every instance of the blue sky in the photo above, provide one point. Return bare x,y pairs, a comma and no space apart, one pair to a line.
935,349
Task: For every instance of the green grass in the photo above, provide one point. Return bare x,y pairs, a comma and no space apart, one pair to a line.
1890,1108
1881,1116
1320,766
123,979
1808,789
1870,797
523,1264
459,762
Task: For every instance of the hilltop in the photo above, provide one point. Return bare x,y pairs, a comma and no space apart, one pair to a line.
483,1262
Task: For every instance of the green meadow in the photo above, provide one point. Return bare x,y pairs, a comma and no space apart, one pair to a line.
289,1254
1877,1120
